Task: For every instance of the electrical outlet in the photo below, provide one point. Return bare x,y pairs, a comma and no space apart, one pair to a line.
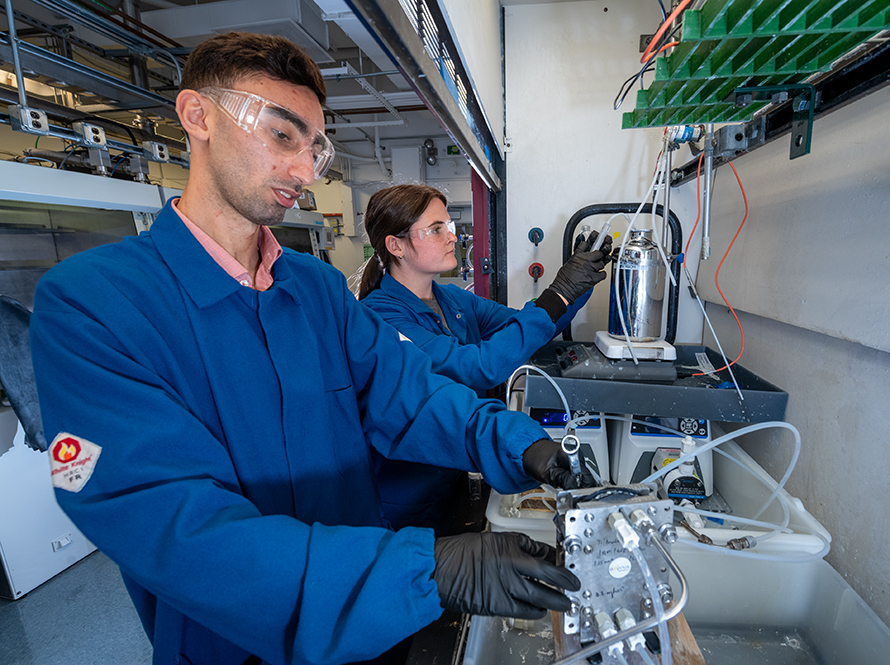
155,151
25,119
90,135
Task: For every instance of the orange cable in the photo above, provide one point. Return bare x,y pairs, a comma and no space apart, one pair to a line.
647,54
717,275
665,48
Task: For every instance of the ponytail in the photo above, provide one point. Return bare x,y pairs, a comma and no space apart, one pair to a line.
371,277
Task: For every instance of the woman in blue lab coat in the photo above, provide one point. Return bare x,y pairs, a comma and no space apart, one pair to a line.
471,340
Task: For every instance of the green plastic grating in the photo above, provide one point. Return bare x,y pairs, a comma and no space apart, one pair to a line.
726,44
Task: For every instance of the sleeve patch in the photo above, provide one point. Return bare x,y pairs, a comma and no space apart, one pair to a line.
72,460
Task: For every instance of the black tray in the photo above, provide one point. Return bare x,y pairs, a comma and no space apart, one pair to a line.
687,397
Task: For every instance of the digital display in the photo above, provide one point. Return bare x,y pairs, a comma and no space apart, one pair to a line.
554,418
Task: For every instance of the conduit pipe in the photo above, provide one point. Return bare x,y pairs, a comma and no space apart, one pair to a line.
378,152
16,62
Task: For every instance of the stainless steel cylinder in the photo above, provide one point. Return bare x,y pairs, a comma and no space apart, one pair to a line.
639,274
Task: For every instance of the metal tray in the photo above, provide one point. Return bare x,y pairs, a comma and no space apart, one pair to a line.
687,396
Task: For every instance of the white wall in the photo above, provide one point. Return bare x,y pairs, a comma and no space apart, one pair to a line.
476,28
564,65
814,251
812,264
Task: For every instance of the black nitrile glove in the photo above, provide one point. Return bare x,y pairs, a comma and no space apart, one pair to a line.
546,462
500,574
584,268
583,244
587,266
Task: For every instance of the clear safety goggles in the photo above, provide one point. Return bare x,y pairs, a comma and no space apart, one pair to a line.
438,231
282,131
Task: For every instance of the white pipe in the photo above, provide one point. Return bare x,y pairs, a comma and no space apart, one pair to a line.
706,194
377,151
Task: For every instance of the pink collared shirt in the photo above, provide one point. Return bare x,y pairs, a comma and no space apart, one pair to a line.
269,248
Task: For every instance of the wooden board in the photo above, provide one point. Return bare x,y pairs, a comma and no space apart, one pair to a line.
684,648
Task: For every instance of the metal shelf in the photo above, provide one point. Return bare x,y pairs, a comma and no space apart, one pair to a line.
686,397
728,44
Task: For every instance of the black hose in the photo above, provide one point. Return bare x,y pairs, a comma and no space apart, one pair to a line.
568,236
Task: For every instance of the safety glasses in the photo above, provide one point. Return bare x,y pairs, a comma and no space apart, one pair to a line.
438,231
283,132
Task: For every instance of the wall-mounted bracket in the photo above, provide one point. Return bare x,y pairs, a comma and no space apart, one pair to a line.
803,108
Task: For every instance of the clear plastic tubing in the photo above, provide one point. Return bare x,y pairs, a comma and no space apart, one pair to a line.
600,238
663,635
645,656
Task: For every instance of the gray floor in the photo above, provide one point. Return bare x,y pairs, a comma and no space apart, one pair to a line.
83,616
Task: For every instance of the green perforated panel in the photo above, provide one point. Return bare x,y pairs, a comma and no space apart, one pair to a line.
731,43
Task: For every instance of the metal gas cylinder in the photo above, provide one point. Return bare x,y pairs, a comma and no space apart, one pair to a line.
640,273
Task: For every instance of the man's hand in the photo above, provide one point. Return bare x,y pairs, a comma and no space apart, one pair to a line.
546,462
500,574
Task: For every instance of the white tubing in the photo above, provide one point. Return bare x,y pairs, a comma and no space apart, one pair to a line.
716,339
549,378
726,437
664,260
735,518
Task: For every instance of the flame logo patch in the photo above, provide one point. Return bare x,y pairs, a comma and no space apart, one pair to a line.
66,450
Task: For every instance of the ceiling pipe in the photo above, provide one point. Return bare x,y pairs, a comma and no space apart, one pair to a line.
378,152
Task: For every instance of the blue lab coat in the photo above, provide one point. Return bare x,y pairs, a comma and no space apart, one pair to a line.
481,347
234,485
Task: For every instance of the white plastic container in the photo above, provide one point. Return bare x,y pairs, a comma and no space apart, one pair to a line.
740,611
745,610
741,490
535,524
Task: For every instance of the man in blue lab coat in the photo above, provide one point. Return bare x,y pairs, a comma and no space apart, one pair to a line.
212,402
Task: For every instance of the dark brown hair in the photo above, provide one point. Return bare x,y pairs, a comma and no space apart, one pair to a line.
224,59
391,212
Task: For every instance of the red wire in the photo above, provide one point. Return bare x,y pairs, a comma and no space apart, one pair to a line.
665,48
647,54
717,275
